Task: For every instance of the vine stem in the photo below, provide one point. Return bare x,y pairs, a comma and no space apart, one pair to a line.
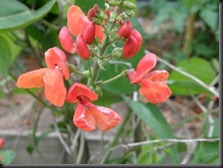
112,79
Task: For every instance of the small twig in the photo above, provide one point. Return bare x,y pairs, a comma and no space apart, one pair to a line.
210,118
81,149
210,89
166,140
121,62
59,135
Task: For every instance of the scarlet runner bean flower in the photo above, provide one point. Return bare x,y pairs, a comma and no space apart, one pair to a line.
50,78
153,84
87,115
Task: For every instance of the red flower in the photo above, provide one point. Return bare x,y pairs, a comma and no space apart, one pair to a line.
87,115
1,142
125,30
77,23
50,78
153,84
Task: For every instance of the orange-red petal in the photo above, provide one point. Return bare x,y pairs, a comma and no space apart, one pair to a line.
99,33
32,79
155,92
79,89
105,118
144,66
82,119
55,90
82,48
158,76
56,59
74,15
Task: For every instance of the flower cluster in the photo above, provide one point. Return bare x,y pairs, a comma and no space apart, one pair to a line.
89,36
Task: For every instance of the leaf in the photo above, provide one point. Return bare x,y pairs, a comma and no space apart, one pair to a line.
5,56
15,15
210,17
198,67
152,116
206,153
87,4
7,156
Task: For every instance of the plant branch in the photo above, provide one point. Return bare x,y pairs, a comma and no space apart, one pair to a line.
112,79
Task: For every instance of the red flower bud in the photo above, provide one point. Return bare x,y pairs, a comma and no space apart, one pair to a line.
1,142
107,12
91,13
129,47
89,33
66,40
82,48
125,30
138,38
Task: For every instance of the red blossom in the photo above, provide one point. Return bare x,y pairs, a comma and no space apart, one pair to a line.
153,84
51,78
87,115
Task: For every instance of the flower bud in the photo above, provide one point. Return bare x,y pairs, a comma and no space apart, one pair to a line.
113,2
89,33
82,48
66,40
107,12
125,30
138,38
129,47
117,52
92,12
129,5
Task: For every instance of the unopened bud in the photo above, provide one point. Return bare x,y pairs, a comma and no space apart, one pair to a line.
129,13
129,47
125,30
107,12
138,38
129,5
92,12
117,52
98,21
102,14
113,2
98,90
82,48
66,40
89,33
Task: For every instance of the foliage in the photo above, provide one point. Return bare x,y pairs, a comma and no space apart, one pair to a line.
28,28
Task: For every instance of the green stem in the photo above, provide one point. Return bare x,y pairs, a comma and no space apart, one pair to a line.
116,138
112,79
96,67
73,68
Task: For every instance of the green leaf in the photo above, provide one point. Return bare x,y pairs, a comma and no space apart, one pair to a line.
200,68
87,4
7,156
15,15
206,153
5,56
152,116
210,17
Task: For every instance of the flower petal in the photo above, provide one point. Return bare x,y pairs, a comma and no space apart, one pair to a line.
83,119
158,76
99,32
155,92
32,79
56,57
55,91
105,118
74,15
66,40
82,48
79,89
144,66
